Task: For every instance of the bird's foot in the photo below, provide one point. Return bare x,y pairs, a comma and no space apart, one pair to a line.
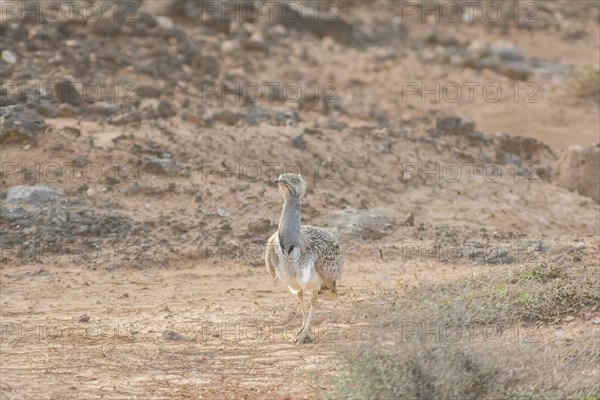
304,336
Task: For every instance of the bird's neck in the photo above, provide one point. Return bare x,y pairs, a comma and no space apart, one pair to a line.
290,235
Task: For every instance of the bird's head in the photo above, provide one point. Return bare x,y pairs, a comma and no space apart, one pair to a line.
291,185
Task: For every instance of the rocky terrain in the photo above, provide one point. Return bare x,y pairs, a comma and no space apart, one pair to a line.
139,145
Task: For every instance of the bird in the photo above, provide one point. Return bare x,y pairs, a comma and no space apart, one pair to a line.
307,259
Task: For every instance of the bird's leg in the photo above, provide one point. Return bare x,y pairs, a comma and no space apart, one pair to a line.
304,334
301,298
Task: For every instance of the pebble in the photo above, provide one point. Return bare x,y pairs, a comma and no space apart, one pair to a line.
9,57
84,318
222,212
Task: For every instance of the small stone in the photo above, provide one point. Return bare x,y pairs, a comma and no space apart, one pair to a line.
569,318
27,194
101,108
66,110
90,192
9,57
127,118
68,93
223,213
84,318
149,91
165,22
409,220
311,131
230,46
453,125
172,335
81,229
298,142
164,165
18,123
222,115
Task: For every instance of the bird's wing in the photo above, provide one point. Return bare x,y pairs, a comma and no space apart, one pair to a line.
271,258
330,262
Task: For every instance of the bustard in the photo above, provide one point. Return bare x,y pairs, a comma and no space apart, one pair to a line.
305,258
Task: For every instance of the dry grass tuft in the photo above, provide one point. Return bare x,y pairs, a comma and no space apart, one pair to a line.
585,81
538,365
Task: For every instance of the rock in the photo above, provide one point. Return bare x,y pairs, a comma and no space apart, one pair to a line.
165,110
500,56
14,214
18,123
293,15
68,93
453,125
84,318
9,57
70,131
298,142
57,215
172,335
81,229
223,212
311,131
221,115
165,22
164,7
409,220
230,46
66,110
105,26
514,147
164,165
578,169
149,108
146,91
35,194
352,224
127,118
43,106
501,49
256,43
101,108
280,116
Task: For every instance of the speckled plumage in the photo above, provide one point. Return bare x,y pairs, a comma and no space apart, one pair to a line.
329,262
307,259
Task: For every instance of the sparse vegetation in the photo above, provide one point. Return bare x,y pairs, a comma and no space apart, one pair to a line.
417,366
540,292
585,81
418,371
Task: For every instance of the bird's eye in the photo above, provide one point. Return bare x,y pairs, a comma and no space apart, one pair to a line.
295,181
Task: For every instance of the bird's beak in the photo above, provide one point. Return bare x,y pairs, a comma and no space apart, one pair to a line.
278,181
